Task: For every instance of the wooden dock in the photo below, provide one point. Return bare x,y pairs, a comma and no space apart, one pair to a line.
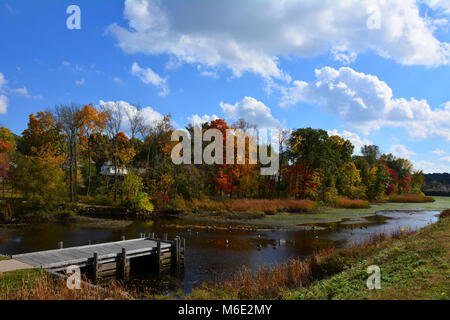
112,259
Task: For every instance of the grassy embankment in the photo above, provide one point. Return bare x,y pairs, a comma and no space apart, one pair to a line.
35,284
413,266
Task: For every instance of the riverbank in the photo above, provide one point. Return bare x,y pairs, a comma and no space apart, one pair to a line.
319,215
414,265
109,217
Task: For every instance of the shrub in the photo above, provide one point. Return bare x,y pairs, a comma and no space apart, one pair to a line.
414,198
331,196
350,203
141,203
445,214
135,198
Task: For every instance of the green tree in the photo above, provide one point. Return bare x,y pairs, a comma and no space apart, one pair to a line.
40,184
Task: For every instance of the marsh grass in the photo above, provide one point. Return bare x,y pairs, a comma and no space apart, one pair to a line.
410,198
266,206
342,202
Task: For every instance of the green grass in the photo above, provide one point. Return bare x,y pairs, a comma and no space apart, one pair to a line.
15,280
4,258
415,267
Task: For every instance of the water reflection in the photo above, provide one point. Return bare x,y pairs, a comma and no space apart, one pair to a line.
215,253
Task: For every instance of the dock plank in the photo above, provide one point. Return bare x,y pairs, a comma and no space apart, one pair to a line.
61,257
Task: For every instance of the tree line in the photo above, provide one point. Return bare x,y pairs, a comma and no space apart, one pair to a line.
59,156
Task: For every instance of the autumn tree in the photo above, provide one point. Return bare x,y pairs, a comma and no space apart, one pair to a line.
69,119
92,122
43,139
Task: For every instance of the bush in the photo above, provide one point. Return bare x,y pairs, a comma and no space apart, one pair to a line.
350,203
66,214
331,196
135,198
140,203
413,198
445,214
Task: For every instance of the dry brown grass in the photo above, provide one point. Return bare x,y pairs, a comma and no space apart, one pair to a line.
269,206
342,202
47,287
445,214
414,198
271,282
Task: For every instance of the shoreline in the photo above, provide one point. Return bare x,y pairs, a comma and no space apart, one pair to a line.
87,215
414,265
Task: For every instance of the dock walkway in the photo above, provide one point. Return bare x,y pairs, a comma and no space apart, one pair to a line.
108,258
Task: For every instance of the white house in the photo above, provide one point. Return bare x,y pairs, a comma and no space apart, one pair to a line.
108,170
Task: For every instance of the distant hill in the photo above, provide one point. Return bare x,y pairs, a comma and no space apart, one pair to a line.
437,184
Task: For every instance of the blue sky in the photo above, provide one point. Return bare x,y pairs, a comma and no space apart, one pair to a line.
372,71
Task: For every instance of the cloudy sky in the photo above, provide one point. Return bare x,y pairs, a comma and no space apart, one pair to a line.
372,71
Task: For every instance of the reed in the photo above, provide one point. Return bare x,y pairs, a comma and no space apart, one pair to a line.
268,206
413,198
347,203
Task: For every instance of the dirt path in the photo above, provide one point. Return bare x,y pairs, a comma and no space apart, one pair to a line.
12,265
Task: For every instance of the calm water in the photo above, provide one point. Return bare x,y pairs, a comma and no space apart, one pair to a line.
208,256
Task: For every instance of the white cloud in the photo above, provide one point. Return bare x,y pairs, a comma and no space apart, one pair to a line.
23,92
117,80
3,104
430,167
2,80
3,99
400,151
149,114
251,36
148,76
367,103
441,5
80,82
198,120
253,111
354,138
445,159
439,152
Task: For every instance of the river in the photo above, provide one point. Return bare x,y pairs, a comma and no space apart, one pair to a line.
215,254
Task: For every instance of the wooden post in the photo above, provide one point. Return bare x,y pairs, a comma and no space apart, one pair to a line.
89,242
183,245
95,267
176,254
60,245
158,256
123,238
165,236
152,235
123,265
